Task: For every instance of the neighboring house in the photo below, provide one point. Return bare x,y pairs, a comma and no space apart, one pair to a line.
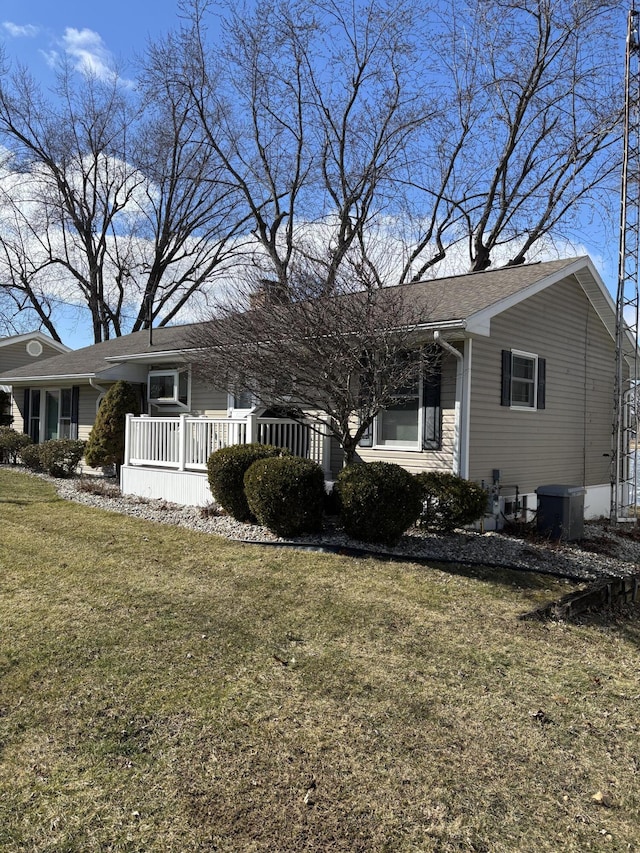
524,397
19,351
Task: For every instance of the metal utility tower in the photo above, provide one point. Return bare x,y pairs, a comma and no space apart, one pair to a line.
624,476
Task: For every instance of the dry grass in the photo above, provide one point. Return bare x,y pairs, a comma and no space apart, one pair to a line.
164,690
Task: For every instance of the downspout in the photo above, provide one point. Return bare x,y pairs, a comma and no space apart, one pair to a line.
99,388
459,465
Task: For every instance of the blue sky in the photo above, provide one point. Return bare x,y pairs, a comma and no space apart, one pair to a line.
33,31
98,34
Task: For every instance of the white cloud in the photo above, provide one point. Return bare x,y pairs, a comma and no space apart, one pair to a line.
20,31
88,52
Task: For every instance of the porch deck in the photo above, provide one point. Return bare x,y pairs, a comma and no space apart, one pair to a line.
166,457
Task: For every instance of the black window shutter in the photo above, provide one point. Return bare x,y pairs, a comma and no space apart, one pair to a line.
26,410
75,405
431,393
542,382
506,378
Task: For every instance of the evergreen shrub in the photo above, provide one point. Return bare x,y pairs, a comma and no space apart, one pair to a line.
286,494
378,501
106,440
226,469
449,501
12,444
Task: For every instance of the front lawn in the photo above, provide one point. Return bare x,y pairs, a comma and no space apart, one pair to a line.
165,690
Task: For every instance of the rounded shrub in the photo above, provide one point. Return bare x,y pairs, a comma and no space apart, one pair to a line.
60,456
30,456
12,444
286,494
378,501
449,501
226,469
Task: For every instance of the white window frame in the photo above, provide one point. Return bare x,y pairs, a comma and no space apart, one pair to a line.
41,415
413,447
522,407
233,409
173,402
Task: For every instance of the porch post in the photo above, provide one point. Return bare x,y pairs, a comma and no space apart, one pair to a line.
326,450
182,441
252,428
127,438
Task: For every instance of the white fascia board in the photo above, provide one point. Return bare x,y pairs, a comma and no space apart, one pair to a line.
30,336
47,380
586,275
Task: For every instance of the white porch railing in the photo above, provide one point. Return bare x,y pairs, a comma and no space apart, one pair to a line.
184,443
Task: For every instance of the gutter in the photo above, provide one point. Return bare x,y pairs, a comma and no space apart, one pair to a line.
55,377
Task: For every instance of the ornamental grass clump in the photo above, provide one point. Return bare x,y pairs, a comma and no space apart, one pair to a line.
378,501
226,469
286,494
449,501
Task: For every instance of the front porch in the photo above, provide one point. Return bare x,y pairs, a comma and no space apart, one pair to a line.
166,457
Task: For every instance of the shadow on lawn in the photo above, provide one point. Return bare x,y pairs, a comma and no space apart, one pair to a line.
29,501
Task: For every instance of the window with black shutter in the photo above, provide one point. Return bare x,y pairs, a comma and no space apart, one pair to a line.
523,381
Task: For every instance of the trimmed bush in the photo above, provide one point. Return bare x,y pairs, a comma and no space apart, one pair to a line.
30,456
11,444
60,456
449,501
226,468
286,494
378,501
106,439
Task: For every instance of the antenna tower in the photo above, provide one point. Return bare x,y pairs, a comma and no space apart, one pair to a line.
624,476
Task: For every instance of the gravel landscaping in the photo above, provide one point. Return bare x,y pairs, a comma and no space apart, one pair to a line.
605,551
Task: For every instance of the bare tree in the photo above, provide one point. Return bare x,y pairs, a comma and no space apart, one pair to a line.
332,361
112,200
528,141
490,124
71,155
310,106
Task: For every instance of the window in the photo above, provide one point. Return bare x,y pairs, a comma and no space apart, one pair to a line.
523,380
169,388
241,400
52,413
413,421
399,424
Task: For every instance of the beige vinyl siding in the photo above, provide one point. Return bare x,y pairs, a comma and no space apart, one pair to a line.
13,356
17,398
87,408
206,400
425,460
568,442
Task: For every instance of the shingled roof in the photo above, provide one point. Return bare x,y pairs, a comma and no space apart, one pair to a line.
451,302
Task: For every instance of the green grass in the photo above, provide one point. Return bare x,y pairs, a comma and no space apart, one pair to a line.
163,690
